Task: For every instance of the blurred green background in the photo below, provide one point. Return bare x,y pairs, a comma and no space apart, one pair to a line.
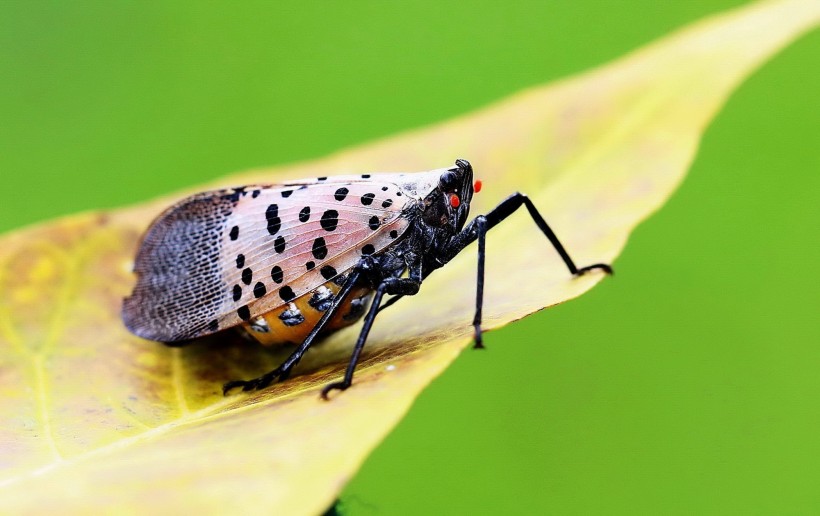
686,384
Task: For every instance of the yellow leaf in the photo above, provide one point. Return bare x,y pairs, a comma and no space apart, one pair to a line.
94,417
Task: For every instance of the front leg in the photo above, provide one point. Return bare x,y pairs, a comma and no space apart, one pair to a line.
477,230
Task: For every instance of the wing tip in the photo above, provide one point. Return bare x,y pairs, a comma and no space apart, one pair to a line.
142,323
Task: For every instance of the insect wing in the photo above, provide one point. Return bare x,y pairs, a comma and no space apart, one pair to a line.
220,258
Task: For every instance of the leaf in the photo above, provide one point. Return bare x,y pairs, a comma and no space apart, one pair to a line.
95,418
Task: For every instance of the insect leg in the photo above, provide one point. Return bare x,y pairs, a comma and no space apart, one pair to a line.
490,220
477,229
481,231
283,371
507,207
403,286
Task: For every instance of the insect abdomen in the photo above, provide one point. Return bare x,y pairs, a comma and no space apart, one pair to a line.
291,323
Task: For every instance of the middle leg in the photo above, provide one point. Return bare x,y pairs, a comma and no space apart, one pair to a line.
401,286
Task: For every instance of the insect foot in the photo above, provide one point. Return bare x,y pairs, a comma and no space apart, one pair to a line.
255,384
600,266
342,386
478,338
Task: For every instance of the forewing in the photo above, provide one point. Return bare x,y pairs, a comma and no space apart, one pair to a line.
220,258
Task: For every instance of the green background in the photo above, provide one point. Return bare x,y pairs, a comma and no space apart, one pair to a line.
688,383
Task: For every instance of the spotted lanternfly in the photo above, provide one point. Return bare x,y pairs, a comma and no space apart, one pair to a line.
288,263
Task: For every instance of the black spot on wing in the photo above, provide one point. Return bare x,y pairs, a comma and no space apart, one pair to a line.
319,248
286,293
272,216
232,195
330,219
328,272
304,214
279,244
276,274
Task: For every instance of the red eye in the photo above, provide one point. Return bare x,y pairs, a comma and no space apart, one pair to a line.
477,186
454,201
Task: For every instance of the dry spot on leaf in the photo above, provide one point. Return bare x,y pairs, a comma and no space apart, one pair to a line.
94,416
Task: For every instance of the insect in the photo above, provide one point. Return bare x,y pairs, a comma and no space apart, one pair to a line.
289,263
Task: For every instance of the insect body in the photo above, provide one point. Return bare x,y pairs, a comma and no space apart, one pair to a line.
291,262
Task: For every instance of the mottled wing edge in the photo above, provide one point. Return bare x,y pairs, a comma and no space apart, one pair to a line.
185,237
